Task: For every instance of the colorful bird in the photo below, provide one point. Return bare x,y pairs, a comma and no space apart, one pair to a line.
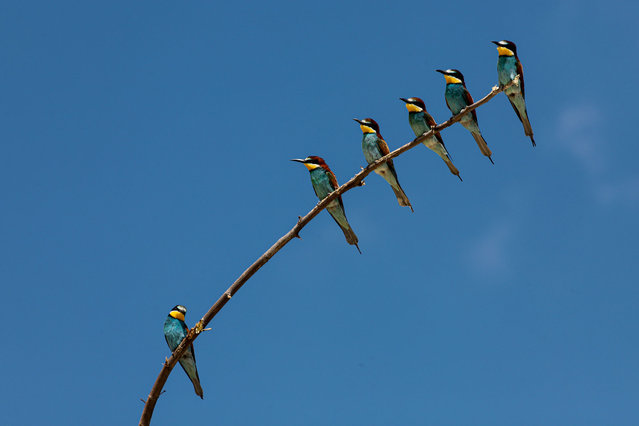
374,147
421,122
324,182
175,330
458,98
508,67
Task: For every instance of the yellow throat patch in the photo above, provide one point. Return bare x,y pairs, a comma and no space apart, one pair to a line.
452,80
177,315
311,166
366,129
504,51
413,108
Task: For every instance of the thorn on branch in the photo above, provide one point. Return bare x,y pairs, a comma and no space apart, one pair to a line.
297,234
228,295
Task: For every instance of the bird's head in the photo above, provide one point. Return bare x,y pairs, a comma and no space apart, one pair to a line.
452,76
178,312
414,104
312,162
506,48
368,125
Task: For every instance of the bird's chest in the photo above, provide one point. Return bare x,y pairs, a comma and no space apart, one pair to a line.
174,333
507,69
418,123
455,98
370,147
321,183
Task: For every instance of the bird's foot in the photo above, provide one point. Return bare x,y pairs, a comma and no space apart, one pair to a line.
199,327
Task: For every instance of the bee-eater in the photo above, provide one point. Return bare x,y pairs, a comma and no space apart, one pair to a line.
375,147
175,330
421,122
508,66
324,182
458,98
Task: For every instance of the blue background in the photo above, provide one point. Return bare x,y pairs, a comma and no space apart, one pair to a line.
144,163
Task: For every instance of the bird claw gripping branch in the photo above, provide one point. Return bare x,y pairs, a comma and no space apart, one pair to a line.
199,327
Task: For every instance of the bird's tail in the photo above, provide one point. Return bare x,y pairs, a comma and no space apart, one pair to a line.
440,149
188,364
351,238
519,106
198,388
339,217
402,198
527,128
483,146
452,168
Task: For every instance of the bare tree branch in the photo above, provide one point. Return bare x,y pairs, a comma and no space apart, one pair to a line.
355,181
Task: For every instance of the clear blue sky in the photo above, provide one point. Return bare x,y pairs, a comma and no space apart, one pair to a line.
144,163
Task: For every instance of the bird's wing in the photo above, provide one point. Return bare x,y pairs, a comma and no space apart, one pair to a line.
186,331
335,185
520,71
469,101
431,123
383,148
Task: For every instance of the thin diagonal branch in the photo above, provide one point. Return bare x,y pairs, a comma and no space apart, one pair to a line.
355,181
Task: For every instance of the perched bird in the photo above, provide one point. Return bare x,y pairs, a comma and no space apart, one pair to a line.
508,67
324,182
421,122
374,147
175,330
458,98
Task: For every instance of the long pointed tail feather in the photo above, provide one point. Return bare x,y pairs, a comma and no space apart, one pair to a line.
453,169
402,198
527,128
351,238
518,103
198,390
483,146
390,176
188,365
340,218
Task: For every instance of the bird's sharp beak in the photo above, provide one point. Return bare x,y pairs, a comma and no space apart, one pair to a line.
359,121
495,42
299,160
441,71
403,99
